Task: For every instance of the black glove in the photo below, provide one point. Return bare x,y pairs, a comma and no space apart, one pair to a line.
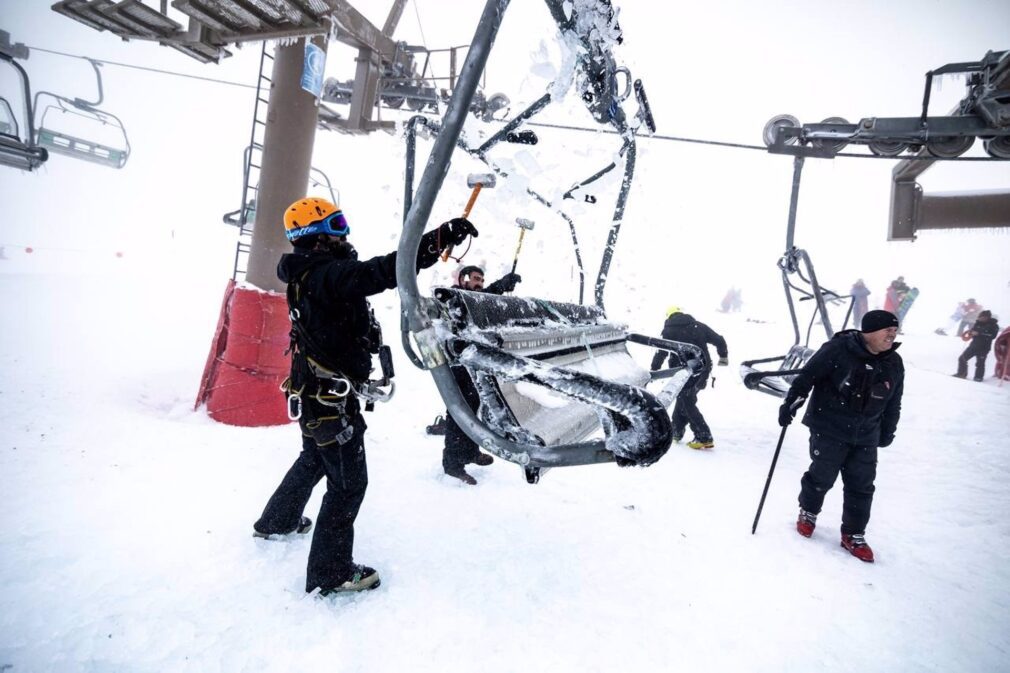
456,230
885,440
510,280
786,413
723,362
428,250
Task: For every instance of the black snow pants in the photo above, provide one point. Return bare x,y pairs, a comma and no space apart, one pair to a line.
686,413
332,446
980,353
858,465
459,449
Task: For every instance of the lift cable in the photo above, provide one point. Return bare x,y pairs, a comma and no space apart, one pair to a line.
719,143
140,67
582,129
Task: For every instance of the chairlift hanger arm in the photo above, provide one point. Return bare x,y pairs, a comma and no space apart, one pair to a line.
413,314
16,152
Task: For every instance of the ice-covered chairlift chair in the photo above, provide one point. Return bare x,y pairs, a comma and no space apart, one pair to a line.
17,150
549,384
60,141
527,355
794,261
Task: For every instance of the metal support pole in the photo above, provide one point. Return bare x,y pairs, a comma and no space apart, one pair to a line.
411,308
822,307
793,199
622,200
287,156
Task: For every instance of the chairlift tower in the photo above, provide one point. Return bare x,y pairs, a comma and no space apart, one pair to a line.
293,114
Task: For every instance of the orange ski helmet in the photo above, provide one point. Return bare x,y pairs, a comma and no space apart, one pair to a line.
312,216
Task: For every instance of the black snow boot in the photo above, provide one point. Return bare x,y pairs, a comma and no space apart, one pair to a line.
483,459
303,527
362,579
460,473
438,427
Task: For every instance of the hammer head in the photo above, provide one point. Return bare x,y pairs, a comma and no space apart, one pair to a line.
485,180
524,223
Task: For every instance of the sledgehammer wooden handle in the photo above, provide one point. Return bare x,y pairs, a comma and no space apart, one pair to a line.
466,214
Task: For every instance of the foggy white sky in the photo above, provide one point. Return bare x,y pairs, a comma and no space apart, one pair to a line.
717,70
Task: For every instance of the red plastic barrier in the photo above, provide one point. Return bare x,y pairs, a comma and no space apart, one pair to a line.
1001,347
246,364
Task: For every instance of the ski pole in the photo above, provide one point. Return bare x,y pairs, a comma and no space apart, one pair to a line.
771,470
768,481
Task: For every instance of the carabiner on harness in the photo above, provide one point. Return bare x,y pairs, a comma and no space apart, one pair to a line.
373,392
294,399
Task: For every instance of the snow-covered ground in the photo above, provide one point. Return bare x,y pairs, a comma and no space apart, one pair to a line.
125,529
125,532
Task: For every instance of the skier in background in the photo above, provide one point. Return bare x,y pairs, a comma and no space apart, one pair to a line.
860,302
680,326
732,301
970,311
896,291
982,334
958,316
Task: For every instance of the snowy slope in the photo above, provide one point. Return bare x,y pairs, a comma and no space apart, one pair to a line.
126,528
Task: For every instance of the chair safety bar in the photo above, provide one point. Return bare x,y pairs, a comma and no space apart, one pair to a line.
775,382
79,148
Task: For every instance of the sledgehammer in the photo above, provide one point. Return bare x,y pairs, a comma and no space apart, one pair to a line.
524,225
478,181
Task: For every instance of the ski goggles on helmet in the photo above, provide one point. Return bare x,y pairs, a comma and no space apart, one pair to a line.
333,224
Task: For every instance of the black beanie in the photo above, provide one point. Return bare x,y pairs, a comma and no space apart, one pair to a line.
466,271
878,320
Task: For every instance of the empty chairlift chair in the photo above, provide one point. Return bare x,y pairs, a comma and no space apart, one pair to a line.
77,128
17,148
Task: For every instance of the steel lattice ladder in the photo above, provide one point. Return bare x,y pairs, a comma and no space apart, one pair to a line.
253,161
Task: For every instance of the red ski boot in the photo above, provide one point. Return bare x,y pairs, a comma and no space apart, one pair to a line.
805,523
856,544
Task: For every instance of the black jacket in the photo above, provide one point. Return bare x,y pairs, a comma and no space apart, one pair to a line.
683,327
333,306
985,332
856,395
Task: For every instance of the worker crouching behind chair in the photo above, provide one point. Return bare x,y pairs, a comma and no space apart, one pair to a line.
680,326
459,450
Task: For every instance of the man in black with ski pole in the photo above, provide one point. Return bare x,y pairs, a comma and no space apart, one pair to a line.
333,337
856,379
